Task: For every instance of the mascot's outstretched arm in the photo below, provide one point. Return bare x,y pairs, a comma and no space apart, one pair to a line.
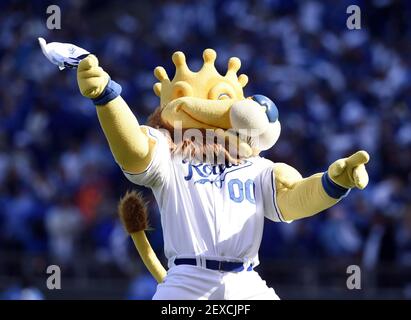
130,145
299,197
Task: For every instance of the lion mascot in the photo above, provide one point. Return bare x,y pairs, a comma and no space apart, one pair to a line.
199,154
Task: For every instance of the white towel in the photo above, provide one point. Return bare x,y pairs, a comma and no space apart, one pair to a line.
64,55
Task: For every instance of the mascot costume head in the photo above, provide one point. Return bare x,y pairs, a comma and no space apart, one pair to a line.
207,100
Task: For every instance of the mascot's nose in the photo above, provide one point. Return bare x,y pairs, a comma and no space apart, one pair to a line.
271,108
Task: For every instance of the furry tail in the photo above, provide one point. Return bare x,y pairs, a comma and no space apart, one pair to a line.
133,214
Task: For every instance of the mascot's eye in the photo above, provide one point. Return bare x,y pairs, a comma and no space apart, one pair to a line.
223,96
271,109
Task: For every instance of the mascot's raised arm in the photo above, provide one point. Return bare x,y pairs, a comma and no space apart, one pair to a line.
199,154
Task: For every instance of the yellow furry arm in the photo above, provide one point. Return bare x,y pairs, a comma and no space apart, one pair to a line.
299,197
131,146
129,143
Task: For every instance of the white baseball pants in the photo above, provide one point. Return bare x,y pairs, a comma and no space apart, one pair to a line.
186,282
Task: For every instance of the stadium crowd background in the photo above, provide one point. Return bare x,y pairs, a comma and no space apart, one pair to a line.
337,90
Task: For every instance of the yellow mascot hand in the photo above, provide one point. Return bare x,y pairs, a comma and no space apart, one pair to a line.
350,172
91,78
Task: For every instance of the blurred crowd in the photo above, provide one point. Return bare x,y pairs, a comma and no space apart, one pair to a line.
337,90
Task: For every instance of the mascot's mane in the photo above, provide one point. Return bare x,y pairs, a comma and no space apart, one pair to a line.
189,149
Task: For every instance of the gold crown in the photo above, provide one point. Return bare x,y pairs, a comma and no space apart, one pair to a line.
207,83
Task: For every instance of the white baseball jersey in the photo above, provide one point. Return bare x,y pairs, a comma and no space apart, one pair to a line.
211,211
